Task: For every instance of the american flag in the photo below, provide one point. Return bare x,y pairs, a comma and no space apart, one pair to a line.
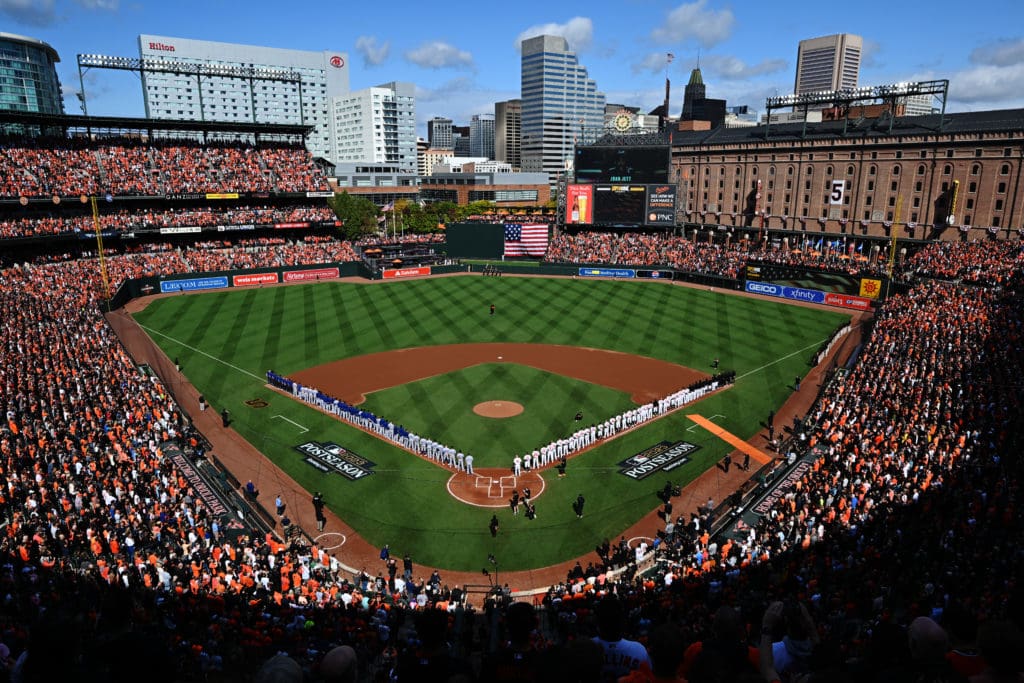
526,240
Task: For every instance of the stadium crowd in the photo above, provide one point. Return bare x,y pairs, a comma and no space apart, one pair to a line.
45,167
901,536
133,219
698,254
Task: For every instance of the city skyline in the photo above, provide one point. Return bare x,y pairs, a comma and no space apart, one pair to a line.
461,65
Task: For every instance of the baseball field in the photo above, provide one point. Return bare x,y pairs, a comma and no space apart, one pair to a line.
429,355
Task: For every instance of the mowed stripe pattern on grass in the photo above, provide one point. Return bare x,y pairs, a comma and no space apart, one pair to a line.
441,407
404,502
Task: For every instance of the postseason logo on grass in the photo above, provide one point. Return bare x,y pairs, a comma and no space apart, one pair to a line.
662,456
330,457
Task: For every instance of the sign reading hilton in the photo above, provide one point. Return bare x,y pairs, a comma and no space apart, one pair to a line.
163,47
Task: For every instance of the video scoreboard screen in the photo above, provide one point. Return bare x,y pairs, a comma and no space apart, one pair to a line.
622,165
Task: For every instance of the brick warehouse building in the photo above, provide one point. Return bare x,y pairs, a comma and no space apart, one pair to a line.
947,177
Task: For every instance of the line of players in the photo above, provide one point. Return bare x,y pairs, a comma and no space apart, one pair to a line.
558,450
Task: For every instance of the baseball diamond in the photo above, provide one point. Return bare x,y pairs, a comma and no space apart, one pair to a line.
567,347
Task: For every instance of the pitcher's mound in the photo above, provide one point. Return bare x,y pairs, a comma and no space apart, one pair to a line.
497,408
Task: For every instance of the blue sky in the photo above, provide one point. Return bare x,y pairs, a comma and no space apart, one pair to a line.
463,56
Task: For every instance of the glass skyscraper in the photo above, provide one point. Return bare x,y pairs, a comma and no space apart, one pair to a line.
28,76
559,102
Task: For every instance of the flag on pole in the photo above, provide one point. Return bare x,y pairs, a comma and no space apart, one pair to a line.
669,57
529,239
390,206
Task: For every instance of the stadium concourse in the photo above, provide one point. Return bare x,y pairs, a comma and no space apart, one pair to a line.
894,554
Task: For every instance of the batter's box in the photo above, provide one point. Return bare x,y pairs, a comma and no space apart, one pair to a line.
495,487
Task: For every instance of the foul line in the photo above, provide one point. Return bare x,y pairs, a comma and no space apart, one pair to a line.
199,351
730,438
790,355
304,429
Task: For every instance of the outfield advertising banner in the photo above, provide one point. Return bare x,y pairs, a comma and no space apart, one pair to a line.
193,283
661,457
607,272
784,292
655,274
236,228
314,274
392,273
295,225
848,301
254,279
330,457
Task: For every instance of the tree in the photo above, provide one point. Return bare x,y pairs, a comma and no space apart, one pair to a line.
358,215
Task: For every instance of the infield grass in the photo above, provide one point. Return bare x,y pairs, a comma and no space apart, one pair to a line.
227,340
437,406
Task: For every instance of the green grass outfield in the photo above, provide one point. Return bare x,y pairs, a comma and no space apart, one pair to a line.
227,340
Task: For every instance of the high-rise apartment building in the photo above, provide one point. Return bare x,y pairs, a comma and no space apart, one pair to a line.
508,122
828,63
378,125
28,76
559,102
481,136
258,85
439,133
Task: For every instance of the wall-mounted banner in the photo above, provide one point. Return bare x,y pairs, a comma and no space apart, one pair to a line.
784,292
193,283
607,272
655,274
848,301
392,273
254,279
314,274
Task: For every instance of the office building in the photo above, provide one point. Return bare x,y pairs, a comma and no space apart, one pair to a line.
828,63
28,76
378,125
439,133
559,102
508,123
481,136
460,140
258,85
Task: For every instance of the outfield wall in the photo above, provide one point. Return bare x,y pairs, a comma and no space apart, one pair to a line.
257,277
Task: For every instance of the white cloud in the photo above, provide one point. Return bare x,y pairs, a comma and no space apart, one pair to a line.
98,4
990,85
1000,53
697,23
653,62
29,12
372,53
578,31
733,68
438,54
